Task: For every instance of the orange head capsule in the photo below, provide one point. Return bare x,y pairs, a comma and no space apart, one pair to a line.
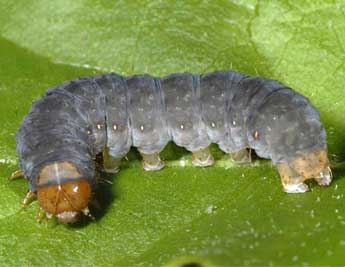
63,192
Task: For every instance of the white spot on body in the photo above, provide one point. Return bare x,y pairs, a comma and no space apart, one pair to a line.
75,189
99,126
142,128
181,126
115,127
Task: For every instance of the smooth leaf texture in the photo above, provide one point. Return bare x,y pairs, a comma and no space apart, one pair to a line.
224,215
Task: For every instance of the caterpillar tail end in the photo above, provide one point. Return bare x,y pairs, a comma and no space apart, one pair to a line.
62,192
314,165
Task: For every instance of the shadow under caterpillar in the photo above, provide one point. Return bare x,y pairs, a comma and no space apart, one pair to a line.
65,130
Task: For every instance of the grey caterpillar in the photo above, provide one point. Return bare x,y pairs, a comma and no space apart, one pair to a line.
64,131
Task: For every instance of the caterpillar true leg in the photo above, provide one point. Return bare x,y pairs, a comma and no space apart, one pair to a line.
110,164
29,197
16,174
202,158
152,162
242,156
41,214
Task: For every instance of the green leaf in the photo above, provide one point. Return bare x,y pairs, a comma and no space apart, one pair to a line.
224,215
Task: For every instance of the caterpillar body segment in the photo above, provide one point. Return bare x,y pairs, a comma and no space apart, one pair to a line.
117,119
60,138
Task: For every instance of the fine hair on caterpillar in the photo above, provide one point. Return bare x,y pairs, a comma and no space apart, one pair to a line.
65,130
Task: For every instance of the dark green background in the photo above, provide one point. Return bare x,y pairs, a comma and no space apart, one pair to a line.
223,215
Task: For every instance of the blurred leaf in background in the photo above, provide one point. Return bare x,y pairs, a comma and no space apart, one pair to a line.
219,216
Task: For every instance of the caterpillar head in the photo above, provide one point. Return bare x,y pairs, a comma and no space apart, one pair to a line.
63,192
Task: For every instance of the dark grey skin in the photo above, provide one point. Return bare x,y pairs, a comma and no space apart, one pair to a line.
79,119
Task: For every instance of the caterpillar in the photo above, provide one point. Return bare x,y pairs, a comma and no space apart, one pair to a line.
64,131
